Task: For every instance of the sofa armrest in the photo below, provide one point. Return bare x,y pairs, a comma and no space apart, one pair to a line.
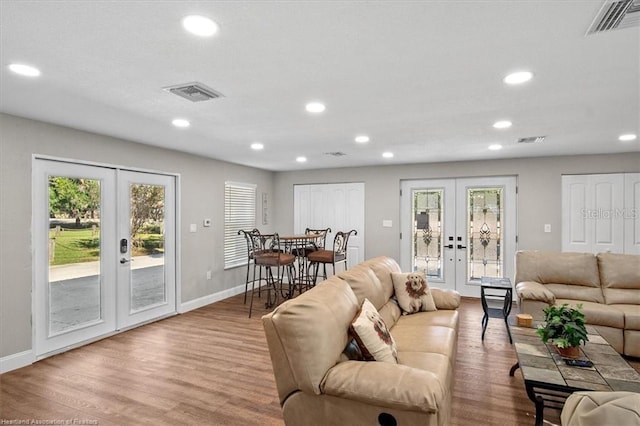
385,385
531,290
445,298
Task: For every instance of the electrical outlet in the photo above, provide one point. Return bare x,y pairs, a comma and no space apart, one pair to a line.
208,275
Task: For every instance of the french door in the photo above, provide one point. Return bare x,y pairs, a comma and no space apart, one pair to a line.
104,243
459,230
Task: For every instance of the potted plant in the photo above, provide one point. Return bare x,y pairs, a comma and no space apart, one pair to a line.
564,327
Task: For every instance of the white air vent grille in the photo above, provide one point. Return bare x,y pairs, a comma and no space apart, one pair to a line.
532,139
616,15
335,154
195,92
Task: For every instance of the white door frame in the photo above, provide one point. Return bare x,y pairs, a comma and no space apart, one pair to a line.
455,208
108,254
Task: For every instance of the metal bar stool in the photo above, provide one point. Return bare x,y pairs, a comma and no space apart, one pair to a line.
332,257
269,256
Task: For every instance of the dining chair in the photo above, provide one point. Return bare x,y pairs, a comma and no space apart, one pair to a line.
331,257
250,239
270,256
311,246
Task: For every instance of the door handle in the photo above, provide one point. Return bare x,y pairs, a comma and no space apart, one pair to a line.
124,260
460,246
450,246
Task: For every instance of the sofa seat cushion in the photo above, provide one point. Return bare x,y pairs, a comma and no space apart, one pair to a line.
597,313
437,364
440,318
631,316
425,338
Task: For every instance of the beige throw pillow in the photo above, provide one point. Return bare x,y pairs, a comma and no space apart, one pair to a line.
412,292
372,335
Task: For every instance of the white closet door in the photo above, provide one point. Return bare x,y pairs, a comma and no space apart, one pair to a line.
337,206
593,213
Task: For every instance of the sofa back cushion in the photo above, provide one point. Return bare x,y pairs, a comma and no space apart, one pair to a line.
568,275
383,267
620,278
365,284
306,335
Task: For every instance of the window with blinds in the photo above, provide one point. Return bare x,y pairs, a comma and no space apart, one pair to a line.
239,213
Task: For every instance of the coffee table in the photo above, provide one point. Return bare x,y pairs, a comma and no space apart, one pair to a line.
549,381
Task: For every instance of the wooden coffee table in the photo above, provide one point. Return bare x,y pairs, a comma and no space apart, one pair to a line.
549,381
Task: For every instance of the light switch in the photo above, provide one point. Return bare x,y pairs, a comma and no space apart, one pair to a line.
387,223
547,227
193,227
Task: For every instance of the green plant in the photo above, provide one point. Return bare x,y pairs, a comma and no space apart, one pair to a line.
564,326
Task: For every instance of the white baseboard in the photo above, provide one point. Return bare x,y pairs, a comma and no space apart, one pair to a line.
15,361
209,299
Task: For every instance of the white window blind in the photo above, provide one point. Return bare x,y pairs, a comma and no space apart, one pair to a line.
239,213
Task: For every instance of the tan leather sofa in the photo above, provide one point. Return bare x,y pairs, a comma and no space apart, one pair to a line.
607,285
317,383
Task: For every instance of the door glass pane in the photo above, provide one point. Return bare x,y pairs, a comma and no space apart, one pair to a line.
147,245
484,227
74,253
427,244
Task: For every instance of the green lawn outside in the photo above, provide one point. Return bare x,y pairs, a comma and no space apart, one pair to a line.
83,245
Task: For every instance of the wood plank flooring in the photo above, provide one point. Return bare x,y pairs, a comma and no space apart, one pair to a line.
211,366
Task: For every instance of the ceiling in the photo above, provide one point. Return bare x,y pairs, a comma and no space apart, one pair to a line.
422,79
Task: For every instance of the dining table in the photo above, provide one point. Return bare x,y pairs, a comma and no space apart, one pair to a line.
299,245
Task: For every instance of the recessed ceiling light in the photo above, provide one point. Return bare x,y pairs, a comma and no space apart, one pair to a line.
518,77
257,146
181,122
495,147
23,69
200,25
362,139
301,159
387,154
628,137
315,107
503,124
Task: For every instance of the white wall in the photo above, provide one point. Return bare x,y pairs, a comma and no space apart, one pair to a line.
202,196
539,197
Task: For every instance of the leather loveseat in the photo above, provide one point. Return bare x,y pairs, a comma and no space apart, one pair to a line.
607,285
319,385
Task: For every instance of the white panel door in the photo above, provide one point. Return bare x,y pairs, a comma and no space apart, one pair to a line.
336,206
576,233
631,213
593,213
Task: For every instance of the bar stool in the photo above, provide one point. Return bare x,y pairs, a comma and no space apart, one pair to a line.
268,256
249,237
332,257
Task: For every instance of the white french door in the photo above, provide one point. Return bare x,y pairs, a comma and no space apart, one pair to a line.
459,230
104,243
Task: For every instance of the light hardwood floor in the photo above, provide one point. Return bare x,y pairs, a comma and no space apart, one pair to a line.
211,366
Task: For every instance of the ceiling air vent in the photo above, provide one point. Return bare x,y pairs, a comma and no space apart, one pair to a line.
532,139
195,92
615,15
335,154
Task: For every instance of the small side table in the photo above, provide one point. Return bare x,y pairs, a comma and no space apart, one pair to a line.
503,284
